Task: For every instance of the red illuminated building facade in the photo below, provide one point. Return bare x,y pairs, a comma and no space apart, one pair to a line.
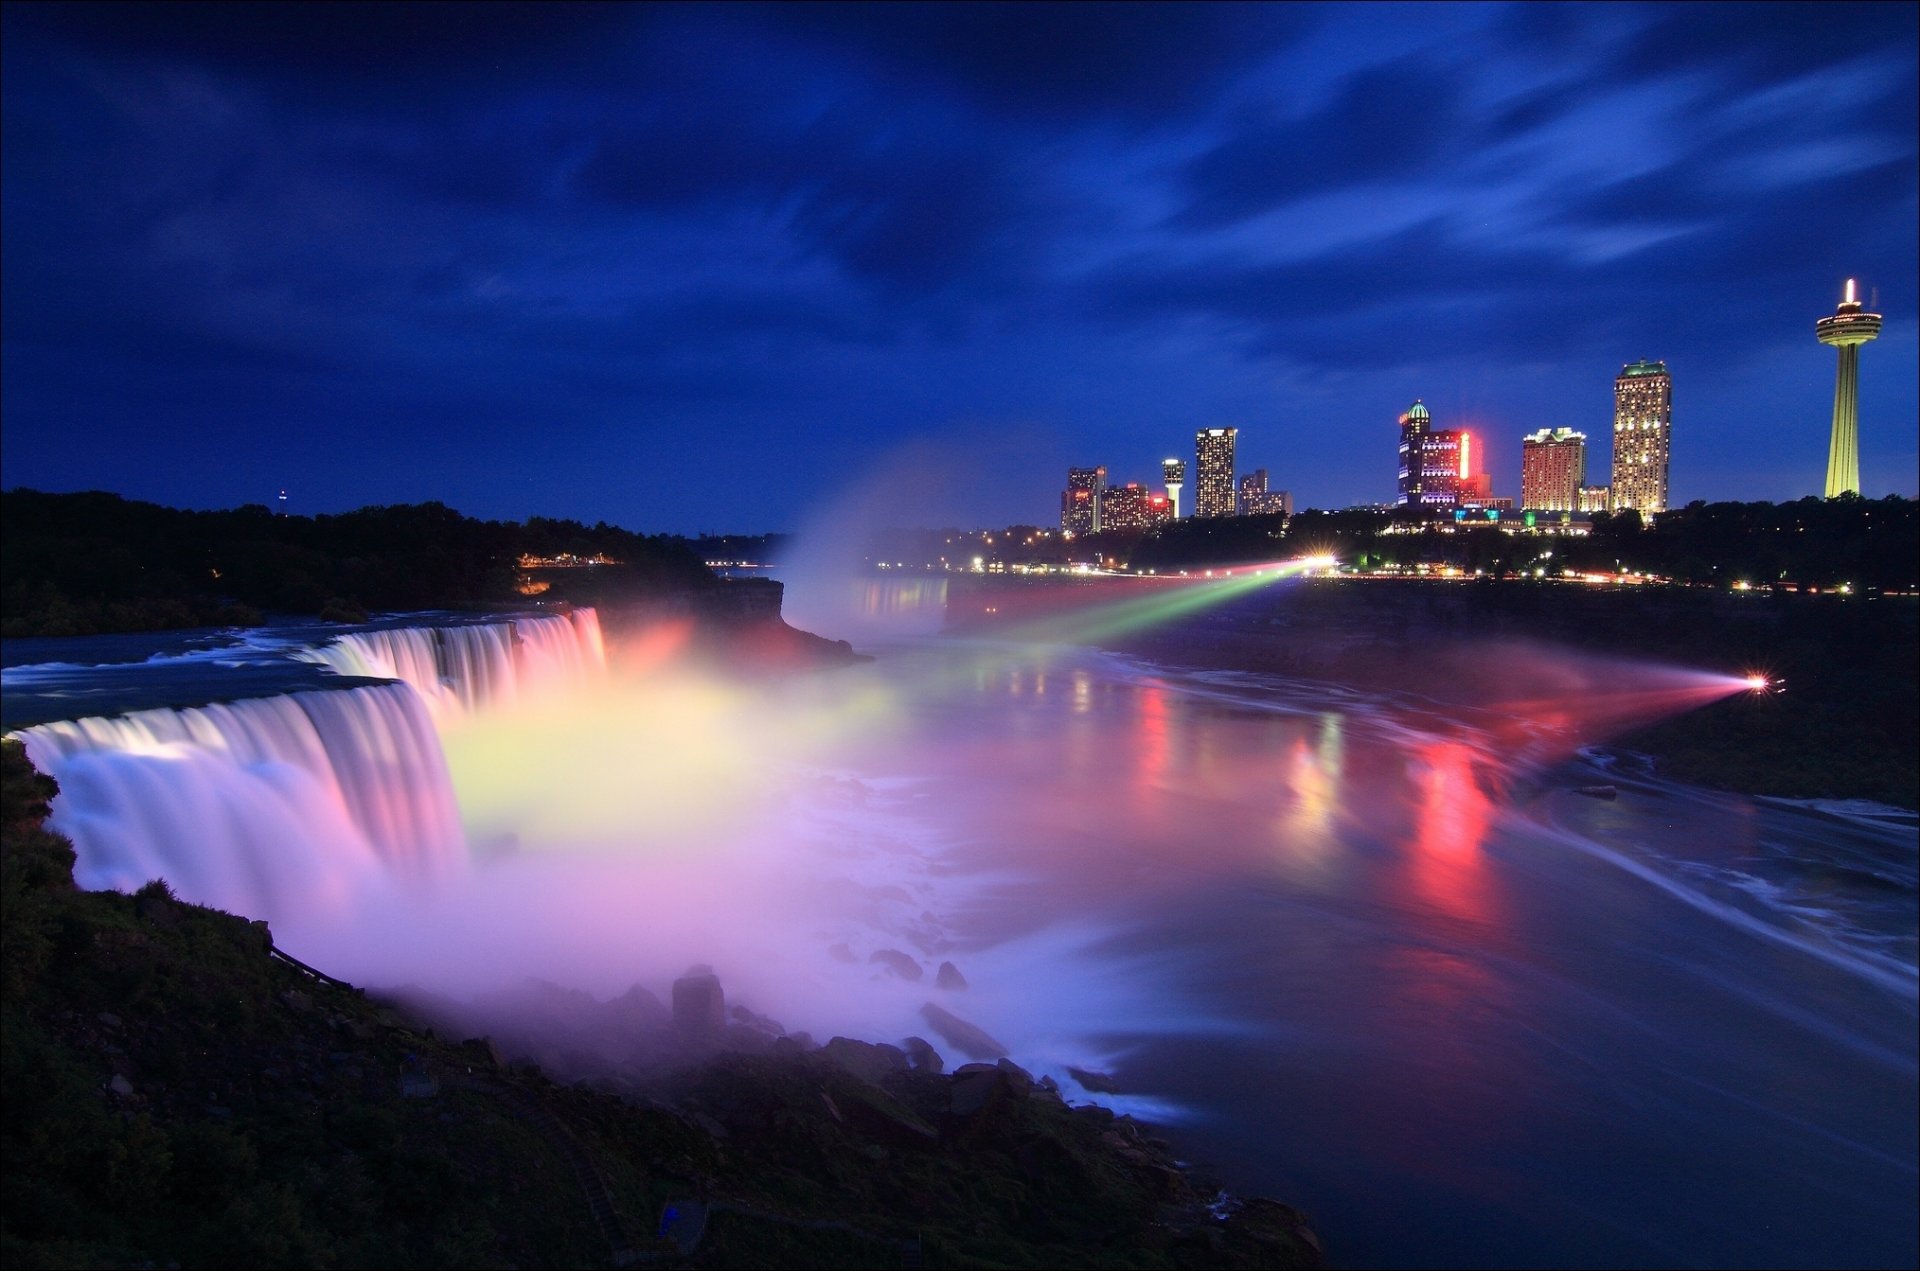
1080,501
1434,462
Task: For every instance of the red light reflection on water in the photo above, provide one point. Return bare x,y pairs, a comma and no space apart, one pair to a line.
1452,816
1152,745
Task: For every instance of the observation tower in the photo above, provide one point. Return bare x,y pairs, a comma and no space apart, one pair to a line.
1846,329
1174,474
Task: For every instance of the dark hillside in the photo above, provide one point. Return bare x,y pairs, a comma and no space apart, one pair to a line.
180,1095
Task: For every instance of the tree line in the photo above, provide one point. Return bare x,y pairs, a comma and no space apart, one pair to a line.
82,564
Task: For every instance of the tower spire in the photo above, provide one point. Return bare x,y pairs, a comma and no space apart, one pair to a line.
1846,329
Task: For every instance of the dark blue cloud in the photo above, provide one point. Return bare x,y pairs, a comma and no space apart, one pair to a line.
1138,62
516,257
1395,119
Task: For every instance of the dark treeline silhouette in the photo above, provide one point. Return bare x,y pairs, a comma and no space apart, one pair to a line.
1868,543
79,564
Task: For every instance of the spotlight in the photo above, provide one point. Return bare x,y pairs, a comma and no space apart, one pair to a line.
1761,684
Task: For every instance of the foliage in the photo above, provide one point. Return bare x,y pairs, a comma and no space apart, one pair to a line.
1868,543
80,564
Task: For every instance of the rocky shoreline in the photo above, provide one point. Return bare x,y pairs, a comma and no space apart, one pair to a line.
180,1093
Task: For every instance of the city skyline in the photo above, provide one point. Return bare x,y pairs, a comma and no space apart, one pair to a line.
584,261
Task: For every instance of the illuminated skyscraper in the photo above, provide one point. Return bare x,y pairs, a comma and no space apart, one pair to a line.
1173,472
1642,432
1553,467
1213,467
1133,507
1846,329
1433,462
1080,502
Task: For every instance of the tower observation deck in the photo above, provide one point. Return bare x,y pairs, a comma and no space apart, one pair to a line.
1846,329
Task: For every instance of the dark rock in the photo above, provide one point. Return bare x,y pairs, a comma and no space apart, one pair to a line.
684,1222
901,964
699,1005
865,1060
1094,1082
969,1039
841,953
637,1010
922,1055
418,1085
879,1116
976,1088
949,977
756,1021
1020,1078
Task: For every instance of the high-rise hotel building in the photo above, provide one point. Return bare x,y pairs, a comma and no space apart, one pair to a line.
1213,466
1080,501
1642,433
1553,467
1133,507
1257,500
1433,461
1173,473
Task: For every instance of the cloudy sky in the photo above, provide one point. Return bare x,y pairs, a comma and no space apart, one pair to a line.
696,268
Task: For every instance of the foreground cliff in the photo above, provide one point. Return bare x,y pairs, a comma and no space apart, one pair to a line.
178,1094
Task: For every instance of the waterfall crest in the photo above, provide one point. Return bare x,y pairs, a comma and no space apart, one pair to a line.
461,669
273,805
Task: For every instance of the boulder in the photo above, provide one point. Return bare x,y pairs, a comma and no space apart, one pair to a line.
901,964
949,977
865,1060
755,1021
973,1088
977,1087
922,1055
1094,1082
638,1010
841,953
699,1004
1019,1078
880,1117
969,1039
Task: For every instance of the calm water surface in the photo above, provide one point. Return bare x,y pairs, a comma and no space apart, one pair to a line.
1461,1014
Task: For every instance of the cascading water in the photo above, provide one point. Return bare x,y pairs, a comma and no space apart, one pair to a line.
458,670
259,806
275,806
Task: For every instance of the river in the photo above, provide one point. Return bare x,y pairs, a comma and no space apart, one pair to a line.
1358,952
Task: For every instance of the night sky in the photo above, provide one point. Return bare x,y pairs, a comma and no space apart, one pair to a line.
699,268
